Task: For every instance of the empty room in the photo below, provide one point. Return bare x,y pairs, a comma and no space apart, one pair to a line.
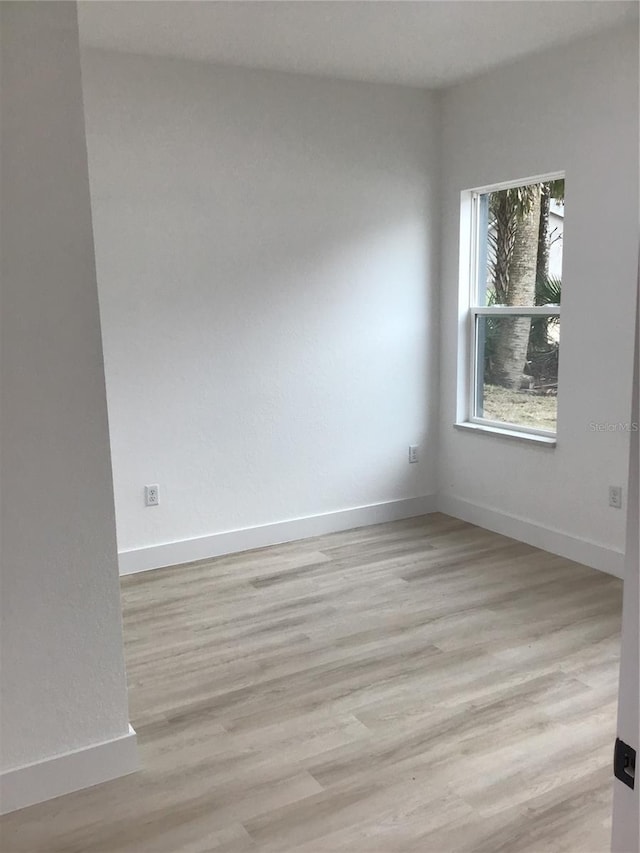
319,448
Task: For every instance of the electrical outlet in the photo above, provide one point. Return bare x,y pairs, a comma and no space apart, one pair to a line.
413,453
152,495
615,497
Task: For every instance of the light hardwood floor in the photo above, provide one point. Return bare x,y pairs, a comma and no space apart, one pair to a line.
423,685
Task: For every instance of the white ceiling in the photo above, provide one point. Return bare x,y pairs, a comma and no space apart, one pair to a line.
430,43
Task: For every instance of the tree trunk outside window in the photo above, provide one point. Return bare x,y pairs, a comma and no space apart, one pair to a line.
513,332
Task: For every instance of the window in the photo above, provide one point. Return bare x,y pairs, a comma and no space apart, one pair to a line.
514,257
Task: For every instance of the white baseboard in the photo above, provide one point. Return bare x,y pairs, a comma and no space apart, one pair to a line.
589,553
62,774
582,551
233,541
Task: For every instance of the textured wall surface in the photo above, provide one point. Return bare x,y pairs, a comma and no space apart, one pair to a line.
63,681
265,247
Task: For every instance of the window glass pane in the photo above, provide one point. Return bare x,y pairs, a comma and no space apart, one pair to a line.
519,245
516,378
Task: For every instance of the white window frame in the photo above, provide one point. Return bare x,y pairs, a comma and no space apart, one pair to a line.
470,310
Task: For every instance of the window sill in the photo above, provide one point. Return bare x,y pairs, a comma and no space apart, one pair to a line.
531,438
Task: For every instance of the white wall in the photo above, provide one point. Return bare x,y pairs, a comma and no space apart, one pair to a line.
63,679
265,248
572,109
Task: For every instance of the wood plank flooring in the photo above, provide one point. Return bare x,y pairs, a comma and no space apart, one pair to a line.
423,685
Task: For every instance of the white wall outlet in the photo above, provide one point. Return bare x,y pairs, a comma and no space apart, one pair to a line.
413,453
615,497
152,495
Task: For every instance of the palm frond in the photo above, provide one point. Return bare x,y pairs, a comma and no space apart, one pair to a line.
548,290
